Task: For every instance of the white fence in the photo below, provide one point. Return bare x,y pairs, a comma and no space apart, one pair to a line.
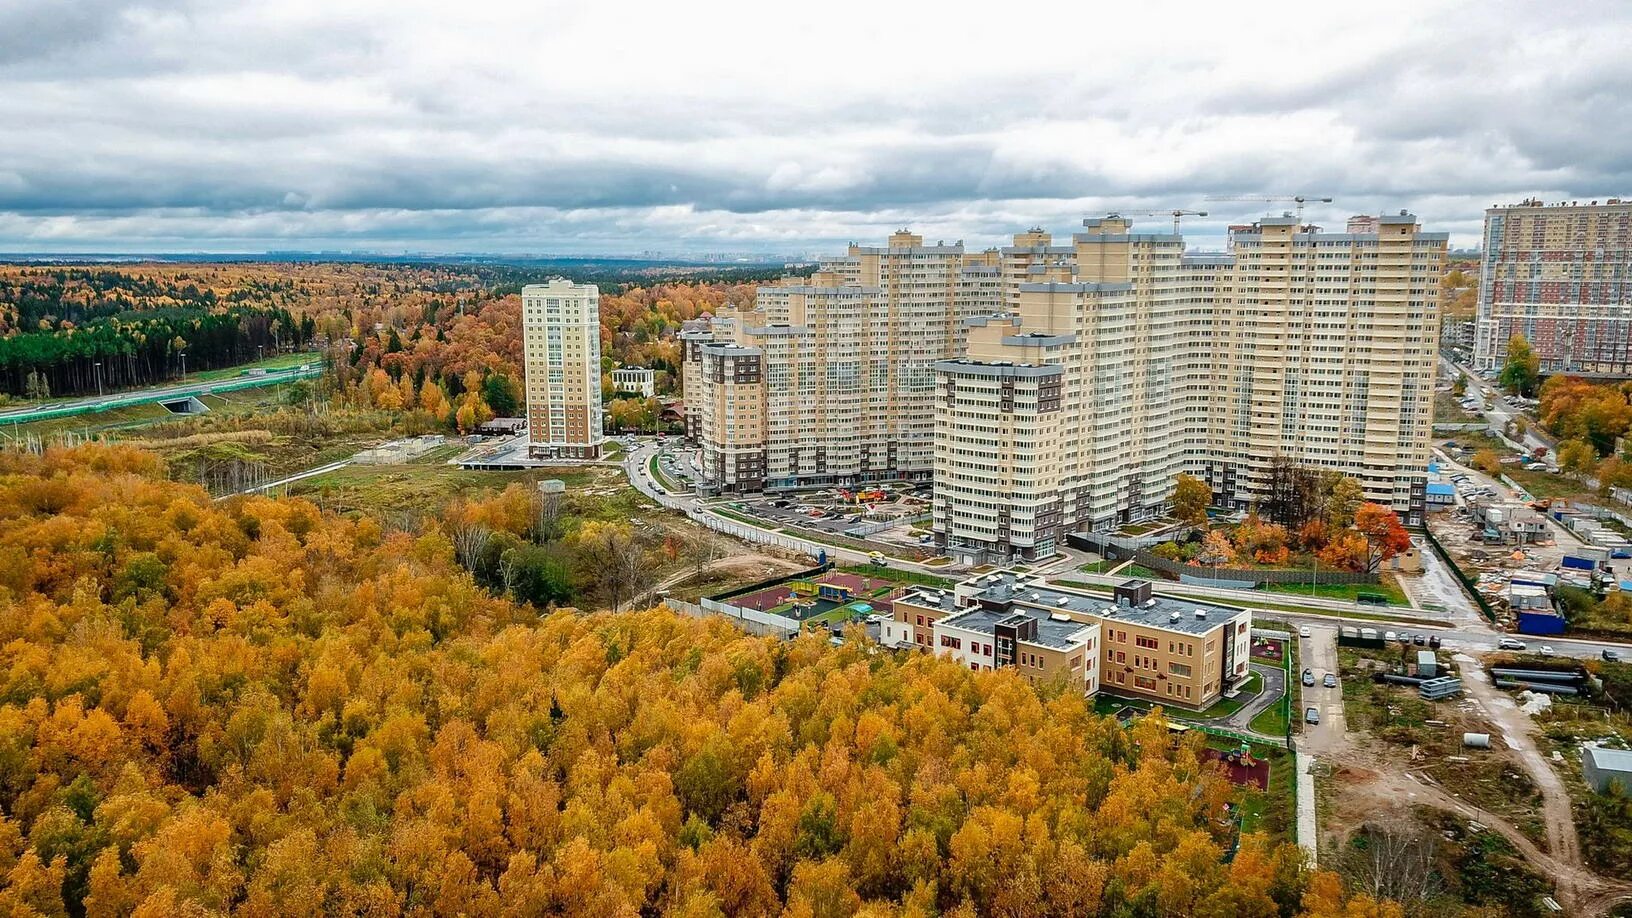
762,623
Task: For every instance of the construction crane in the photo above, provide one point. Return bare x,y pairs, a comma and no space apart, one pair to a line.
1175,214
1298,199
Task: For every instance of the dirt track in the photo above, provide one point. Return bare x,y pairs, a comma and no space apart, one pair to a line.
1375,783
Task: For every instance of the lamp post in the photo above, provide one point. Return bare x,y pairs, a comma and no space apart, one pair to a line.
184,366
98,373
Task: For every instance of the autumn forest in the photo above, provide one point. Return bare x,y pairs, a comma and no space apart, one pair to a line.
255,707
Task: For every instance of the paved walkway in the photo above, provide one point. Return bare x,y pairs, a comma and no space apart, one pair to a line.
1274,686
1306,806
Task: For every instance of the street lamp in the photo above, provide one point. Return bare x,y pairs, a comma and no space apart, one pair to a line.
98,374
183,365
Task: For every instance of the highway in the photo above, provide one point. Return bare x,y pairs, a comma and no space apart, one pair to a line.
94,403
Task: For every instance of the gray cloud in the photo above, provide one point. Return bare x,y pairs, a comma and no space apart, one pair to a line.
135,125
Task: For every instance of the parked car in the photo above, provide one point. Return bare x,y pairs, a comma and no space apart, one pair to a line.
1611,655
1330,681
1434,642
1308,677
1419,639
1304,631
1389,635
1311,716
1511,644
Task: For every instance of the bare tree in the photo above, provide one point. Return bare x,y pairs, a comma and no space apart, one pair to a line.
469,542
1394,863
615,558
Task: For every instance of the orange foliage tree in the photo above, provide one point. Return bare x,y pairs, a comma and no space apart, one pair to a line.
251,706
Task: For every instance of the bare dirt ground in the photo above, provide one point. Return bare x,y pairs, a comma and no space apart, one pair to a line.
744,567
1376,781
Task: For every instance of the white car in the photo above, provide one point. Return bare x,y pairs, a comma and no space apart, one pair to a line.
1304,631
1389,635
1511,644
1546,650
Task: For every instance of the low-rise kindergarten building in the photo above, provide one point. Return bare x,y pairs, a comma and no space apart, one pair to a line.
1133,643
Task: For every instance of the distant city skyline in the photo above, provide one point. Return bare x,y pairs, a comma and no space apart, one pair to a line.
181,126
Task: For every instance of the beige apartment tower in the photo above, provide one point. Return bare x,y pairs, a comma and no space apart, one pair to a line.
561,351
1050,388
1130,362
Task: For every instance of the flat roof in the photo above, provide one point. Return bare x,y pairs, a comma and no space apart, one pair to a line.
1050,632
1611,759
1157,613
944,600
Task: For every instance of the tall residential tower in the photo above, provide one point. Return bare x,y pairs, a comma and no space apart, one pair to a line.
1561,276
1065,386
561,353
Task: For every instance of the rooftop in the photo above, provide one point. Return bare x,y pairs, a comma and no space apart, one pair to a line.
1604,757
944,600
1159,612
1051,632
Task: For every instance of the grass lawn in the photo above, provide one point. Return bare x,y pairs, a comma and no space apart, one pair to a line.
899,576
1099,567
1350,592
1271,810
656,468
1273,720
1139,570
426,487
1221,708
1546,484
278,362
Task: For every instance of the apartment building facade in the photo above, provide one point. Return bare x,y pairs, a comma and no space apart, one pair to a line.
561,357
1561,276
846,369
1315,347
1136,644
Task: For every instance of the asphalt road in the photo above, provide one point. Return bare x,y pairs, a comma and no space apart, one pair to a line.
1318,653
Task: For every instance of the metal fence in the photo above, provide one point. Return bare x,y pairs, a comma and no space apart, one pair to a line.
762,623
1472,588
1119,549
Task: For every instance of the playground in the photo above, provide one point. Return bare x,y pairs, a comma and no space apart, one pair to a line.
1268,650
1241,767
829,597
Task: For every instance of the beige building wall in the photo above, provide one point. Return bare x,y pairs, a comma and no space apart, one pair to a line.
1331,345
561,359
1312,346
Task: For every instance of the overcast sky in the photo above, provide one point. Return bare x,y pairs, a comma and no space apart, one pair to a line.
707,126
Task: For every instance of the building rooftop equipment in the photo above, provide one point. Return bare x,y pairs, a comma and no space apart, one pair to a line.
1051,632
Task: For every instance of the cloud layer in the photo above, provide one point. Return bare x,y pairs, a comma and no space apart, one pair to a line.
620,127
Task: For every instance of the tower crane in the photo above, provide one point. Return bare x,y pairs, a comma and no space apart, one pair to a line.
1175,214
1298,199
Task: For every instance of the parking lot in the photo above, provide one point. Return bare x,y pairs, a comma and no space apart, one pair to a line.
833,513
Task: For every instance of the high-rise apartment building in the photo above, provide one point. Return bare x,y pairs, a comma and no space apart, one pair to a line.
842,386
1133,362
1561,276
561,353
1068,385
